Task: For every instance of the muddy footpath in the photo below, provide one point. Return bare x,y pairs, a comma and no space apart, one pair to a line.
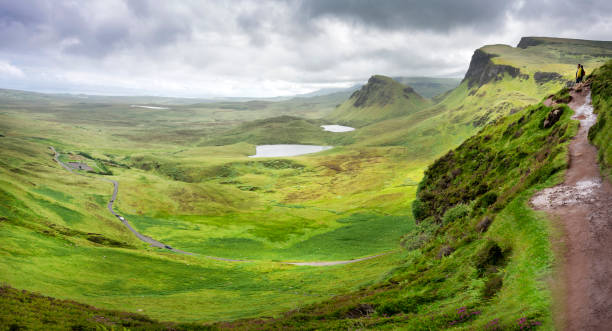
581,208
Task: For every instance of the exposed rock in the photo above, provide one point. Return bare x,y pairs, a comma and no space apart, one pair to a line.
409,92
369,92
482,70
484,224
529,41
445,250
482,120
544,77
362,309
552,118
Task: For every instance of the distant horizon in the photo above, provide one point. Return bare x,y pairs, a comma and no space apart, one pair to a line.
211,98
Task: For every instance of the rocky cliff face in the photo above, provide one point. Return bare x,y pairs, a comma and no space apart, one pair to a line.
529,41
482,70
545,77
374,92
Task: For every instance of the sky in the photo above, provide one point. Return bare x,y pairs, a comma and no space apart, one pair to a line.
264,48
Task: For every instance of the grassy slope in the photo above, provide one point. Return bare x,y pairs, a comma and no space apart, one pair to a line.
380,99
21,308
601,133
497,273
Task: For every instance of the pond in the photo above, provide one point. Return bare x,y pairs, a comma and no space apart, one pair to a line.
287,150
148,107
337,128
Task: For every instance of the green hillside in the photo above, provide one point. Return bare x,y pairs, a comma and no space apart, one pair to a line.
476,254
380,99
601,133
501,80
480,257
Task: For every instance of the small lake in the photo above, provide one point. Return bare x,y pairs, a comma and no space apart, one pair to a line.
148,107
287,150
337,128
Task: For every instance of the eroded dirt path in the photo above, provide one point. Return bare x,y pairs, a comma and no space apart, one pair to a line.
583,207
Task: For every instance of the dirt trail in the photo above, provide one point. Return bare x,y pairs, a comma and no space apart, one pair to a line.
156,243
582,206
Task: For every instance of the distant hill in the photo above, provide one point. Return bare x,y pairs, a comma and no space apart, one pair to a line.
331,90
429,87
380,99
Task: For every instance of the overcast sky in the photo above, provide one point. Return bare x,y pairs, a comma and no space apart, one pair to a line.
264,48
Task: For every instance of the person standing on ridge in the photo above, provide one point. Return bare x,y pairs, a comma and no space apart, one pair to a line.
579,73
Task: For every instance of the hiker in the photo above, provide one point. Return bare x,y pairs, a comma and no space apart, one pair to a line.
579,73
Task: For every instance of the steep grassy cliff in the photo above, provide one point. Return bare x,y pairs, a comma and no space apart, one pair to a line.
601,133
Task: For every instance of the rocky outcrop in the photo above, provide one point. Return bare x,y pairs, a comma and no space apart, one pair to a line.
378,91
552,118
529,41
545,77
482,70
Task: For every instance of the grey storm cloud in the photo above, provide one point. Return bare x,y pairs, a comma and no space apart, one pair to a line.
437,15
89,30
264,47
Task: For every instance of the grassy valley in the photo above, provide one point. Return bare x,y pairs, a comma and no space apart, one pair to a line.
440,185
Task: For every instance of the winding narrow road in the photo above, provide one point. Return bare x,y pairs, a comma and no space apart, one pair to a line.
156,243
582,207
330,263
142,237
